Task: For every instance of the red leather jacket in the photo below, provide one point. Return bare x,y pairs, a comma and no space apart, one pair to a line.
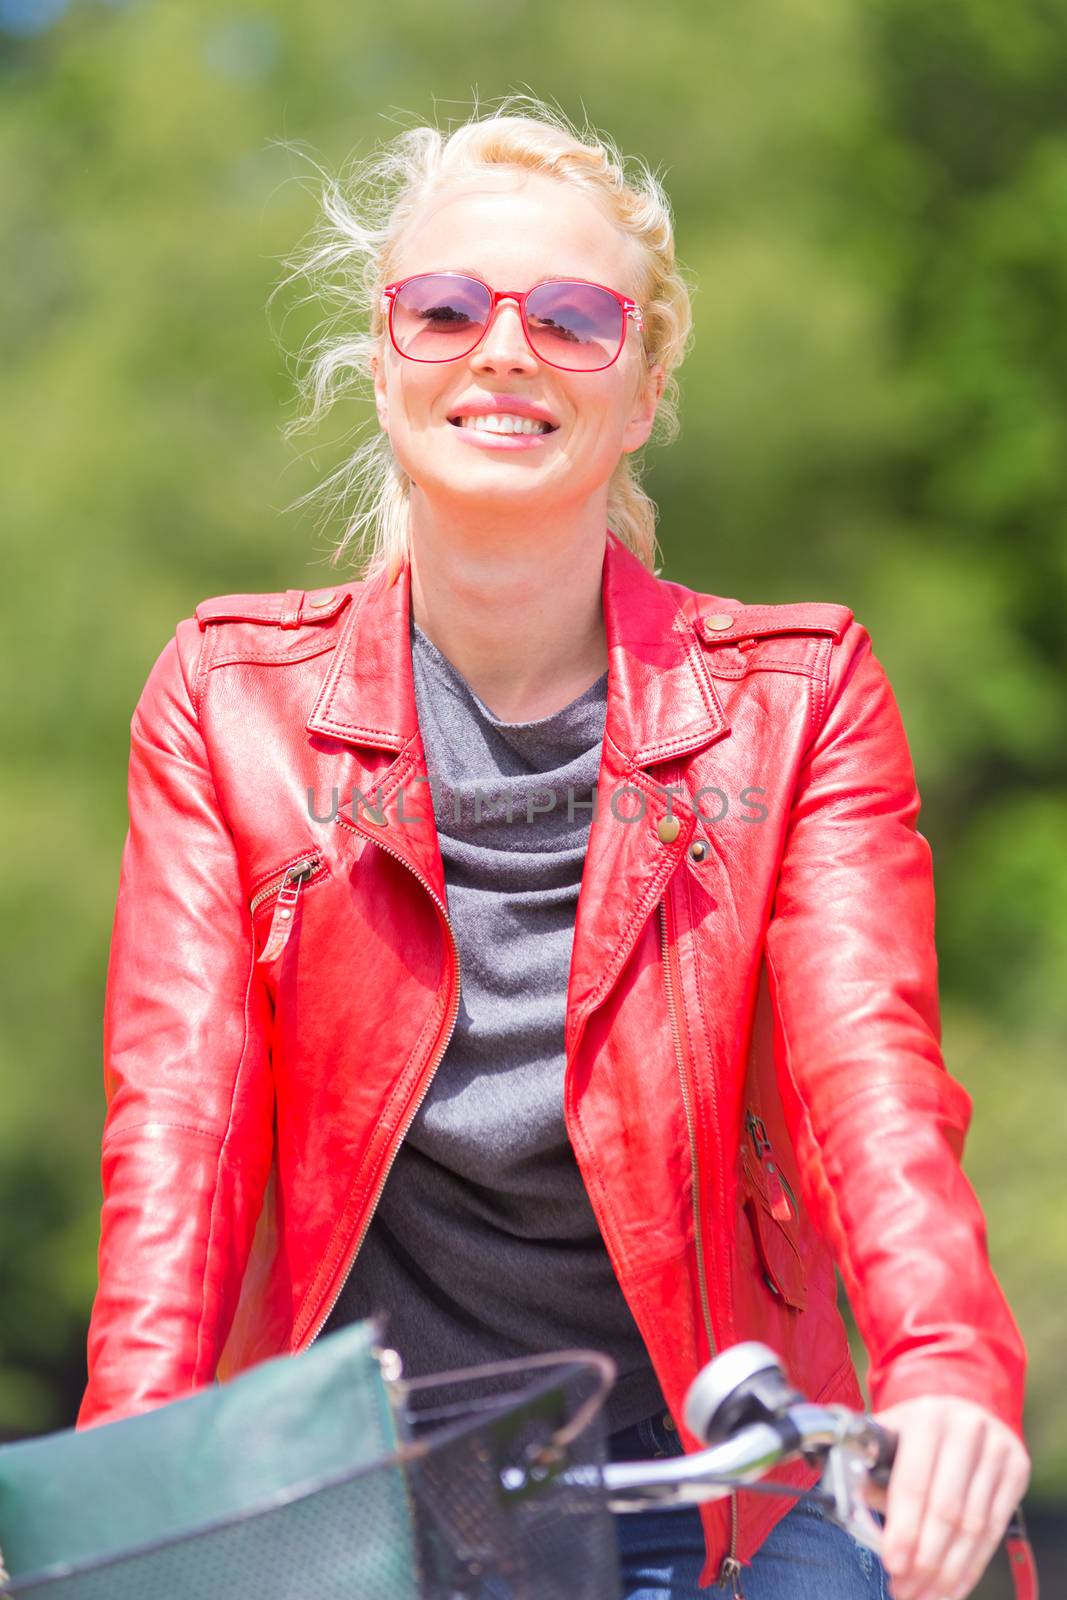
754,1085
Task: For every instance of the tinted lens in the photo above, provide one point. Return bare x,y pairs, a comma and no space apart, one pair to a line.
575,325
438,317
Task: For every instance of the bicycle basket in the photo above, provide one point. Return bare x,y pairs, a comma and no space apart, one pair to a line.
480,1538
436,1520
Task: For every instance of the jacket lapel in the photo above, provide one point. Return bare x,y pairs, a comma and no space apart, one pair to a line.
367,699
662,707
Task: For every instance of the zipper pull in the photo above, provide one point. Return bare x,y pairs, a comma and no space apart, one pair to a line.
281,924
758,1133
781,1209
730,1573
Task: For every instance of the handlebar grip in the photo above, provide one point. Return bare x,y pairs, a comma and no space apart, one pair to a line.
886,1444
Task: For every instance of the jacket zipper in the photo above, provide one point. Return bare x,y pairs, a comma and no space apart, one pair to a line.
784,1206
287,886
730,1571
305,867
442,907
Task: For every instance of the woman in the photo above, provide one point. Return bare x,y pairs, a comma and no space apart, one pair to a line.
368,1046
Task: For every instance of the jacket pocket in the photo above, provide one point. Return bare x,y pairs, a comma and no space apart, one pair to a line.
772,1211
279,894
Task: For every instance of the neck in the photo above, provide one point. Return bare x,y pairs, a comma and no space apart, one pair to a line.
516,610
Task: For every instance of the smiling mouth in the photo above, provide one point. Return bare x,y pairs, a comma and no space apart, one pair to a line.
504,424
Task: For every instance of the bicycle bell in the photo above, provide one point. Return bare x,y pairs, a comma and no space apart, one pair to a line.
742,1385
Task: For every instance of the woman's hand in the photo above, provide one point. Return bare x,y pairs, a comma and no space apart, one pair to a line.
959,1473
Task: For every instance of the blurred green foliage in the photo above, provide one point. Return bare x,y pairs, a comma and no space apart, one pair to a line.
871,201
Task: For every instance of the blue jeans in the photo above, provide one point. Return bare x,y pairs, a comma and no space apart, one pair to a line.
661,1553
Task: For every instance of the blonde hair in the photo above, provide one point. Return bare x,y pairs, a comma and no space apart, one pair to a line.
365,213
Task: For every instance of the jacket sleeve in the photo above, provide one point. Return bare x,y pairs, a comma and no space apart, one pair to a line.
187,1138
877,1122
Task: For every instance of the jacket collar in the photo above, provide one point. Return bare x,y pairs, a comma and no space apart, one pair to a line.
661,702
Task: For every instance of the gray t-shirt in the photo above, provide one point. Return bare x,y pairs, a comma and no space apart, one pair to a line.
484,1245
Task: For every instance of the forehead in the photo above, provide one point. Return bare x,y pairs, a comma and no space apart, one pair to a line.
514,228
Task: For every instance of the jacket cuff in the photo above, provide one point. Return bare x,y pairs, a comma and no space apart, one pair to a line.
955,1374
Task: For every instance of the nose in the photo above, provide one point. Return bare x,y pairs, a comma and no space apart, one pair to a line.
504,347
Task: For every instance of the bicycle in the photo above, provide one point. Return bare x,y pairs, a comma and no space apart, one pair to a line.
496,1497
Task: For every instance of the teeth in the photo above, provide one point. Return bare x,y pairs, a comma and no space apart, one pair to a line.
504,424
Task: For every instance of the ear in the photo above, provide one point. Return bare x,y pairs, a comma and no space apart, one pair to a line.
377,366
643,415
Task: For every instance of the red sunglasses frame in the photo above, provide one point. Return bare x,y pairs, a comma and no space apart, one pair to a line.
630,309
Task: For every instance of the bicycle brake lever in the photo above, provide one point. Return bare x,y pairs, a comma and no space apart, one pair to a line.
843,1478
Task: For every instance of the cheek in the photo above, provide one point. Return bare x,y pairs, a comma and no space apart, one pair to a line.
411,398
605,409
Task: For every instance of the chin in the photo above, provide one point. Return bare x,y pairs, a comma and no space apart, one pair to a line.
482,482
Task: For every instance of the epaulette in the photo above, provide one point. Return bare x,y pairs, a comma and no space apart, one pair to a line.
750,622
294,608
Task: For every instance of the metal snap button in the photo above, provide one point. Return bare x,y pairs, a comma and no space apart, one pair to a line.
718,620
323,599
698,850
668,829
668,1422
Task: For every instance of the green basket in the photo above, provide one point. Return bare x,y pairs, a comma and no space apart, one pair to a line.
230,1484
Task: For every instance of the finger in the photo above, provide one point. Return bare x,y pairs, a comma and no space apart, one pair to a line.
909,1484
1010,1486
963,1568
873,1494
941,1530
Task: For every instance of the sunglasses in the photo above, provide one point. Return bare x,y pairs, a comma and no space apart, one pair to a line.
568,323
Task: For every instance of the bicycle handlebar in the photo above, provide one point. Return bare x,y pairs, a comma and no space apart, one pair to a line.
713,1473
751,1420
